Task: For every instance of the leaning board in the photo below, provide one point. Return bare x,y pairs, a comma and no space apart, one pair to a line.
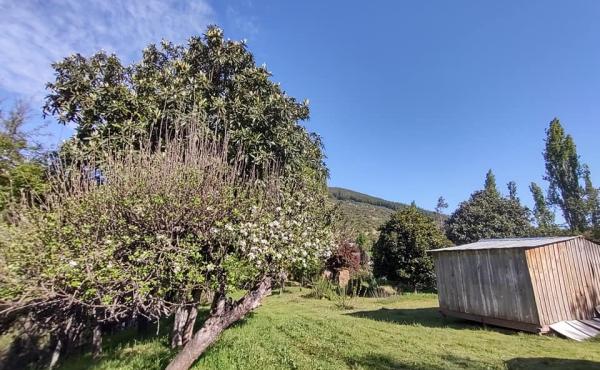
577,329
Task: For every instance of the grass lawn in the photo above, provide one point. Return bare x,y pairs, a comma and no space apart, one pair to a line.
404,332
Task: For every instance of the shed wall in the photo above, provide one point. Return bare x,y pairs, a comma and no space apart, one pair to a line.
566,279
491,282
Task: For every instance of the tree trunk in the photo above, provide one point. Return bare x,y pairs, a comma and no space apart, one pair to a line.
183,326
62,338
222,315
56,353
282,278
97,341
142,324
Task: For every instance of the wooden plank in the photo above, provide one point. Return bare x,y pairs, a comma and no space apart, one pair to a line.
533,277
448,279
492,301
582,301
595,249
582,327
484,289
578,301
594,323
563,328
513,284
526,289
545,286
461,293
554,292
590,275
456,287
568,276
562,291
498,275
495,321
439,283
586,279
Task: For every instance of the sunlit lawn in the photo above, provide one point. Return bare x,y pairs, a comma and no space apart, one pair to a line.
404,332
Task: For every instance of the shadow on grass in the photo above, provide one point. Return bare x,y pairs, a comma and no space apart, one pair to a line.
148,349
385,362
429,317
550,363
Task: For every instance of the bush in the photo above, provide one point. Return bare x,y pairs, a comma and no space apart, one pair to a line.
400,253
346,256
322,289
362,284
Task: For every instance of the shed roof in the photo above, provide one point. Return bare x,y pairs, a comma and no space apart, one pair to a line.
507,243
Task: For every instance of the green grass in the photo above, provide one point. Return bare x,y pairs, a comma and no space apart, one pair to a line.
403,332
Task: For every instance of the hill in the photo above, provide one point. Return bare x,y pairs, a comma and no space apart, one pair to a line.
365,213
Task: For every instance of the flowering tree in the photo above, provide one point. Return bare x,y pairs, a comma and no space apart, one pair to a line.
159,229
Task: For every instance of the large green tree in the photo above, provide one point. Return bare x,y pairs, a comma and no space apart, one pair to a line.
487,214
400,253
209,76
563,173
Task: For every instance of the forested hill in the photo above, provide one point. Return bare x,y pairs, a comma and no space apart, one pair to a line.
354,196
366,213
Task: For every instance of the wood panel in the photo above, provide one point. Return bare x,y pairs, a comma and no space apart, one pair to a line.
565,279
491,283
534,328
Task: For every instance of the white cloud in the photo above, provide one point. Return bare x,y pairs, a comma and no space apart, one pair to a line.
242,21
35,33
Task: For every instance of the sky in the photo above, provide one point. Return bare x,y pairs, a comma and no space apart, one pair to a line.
414,99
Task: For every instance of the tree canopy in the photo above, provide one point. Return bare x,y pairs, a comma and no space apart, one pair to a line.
400,253
209,75
487,214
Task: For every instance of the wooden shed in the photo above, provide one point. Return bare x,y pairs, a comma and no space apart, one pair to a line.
524,283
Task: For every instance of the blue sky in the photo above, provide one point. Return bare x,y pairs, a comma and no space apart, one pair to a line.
413,99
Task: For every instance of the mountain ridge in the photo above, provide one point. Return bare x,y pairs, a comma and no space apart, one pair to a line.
364,213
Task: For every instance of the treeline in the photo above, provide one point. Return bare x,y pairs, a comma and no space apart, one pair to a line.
345,194
489,214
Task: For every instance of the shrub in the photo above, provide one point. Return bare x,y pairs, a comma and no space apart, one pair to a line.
400,253
322,289
346,256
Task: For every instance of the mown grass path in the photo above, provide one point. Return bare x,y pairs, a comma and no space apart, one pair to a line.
404,332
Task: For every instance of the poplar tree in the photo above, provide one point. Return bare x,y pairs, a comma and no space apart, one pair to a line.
544,218
563,173
490,183
439,210
512,190
592,202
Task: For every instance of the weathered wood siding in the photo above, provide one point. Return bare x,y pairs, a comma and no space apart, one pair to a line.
566,279
489,282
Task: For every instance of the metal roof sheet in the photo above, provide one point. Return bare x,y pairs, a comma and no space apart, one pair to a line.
507,243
